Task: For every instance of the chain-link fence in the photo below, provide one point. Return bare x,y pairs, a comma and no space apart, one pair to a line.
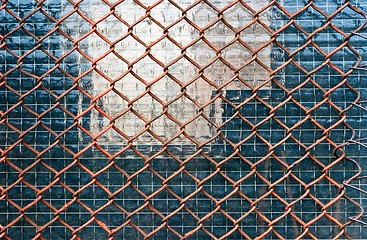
128,119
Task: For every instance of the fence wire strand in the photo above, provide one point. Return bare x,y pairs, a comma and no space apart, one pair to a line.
103,136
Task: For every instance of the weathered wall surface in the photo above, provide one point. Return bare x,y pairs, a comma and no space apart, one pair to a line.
132,82
52,169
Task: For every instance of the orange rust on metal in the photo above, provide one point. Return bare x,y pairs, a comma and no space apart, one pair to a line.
130,140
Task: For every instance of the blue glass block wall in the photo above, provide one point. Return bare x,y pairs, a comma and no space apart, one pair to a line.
52,119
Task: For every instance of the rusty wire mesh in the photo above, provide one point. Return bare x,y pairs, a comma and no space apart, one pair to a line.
181,119
356,147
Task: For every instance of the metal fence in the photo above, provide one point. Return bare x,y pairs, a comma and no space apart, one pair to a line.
182,119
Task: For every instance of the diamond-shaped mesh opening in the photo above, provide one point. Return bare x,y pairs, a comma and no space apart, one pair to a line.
219,35
238,15
129,11
183,70
189,218
148,31
253,220
74,26
344,23
201,52
328,39
183,32
217,218
158,13
203,14
236,168
147,219
166,51
129,49
115,30
164,128
92,11
182,191
311,19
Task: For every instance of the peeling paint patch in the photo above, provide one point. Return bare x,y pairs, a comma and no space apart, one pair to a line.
200,56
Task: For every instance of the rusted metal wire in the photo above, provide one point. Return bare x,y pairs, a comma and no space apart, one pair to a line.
273,207
358,183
